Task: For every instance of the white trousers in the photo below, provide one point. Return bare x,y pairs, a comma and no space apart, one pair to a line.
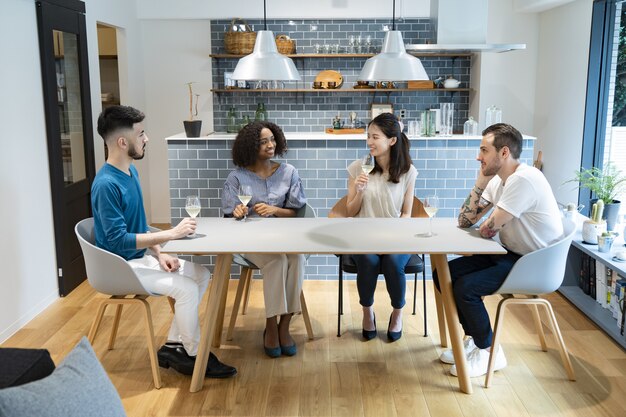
187,286
282,281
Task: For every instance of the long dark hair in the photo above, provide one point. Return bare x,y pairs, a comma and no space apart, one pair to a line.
248,141
399,160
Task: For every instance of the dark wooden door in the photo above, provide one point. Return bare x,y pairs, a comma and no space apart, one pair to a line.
65,74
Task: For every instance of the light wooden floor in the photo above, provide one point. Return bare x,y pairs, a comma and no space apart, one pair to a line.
344,376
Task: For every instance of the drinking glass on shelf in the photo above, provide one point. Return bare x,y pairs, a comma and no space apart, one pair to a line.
431,205
414,128
367,165
192,205
245,195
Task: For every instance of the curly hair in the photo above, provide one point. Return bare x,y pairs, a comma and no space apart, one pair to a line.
248,141
400,160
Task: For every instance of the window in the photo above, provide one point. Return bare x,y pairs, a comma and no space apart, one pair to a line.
605,113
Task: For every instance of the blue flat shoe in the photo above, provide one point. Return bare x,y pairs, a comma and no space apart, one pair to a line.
289,350
272,352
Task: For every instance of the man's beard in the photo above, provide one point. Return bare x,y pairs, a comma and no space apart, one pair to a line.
136,155
493,168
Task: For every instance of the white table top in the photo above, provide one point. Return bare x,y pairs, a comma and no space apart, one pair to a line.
332,236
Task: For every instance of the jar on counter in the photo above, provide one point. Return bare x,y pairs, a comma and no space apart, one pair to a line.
245,120
260,115
470,127
231,121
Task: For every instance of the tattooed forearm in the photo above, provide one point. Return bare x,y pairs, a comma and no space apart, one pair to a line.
473,208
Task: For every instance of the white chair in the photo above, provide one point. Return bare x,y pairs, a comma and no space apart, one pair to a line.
539,272
110,274
243,290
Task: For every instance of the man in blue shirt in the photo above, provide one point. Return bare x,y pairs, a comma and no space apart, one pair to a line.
120,227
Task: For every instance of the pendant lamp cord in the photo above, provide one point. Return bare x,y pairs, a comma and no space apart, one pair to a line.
393,25
265,15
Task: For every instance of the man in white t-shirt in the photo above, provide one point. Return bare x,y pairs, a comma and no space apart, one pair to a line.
527,218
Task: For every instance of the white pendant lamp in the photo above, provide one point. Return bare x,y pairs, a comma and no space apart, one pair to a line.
265,63
393,63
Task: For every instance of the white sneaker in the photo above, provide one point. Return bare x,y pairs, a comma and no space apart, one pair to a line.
448,357
478,361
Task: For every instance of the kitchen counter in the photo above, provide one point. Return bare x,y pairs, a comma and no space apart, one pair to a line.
320,136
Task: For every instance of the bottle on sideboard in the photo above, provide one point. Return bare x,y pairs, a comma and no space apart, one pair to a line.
244,121
231,121
261,114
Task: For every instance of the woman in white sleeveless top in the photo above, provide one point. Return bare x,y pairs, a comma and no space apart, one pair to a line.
386,192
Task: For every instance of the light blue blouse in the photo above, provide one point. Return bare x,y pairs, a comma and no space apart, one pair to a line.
281,189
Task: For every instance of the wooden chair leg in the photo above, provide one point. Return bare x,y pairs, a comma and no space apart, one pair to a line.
539,327
246,294
97,320
246,273
156,375
116,324
559,339
305,317
219,324
172,304
495,341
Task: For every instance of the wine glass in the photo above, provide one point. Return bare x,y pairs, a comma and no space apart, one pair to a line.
431,205
367,165
192,205
245,195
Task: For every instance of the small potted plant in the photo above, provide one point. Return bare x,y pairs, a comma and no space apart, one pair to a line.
192,127
605,184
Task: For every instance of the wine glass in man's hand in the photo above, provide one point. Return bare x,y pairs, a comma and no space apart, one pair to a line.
192,206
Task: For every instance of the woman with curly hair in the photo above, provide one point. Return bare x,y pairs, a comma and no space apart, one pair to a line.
276,192
386,192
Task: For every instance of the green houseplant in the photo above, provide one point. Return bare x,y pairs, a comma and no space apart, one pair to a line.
605,184
192,127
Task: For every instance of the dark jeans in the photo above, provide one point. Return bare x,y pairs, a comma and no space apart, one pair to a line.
391,266
472,278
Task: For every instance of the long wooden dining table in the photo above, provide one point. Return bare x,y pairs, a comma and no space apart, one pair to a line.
226,236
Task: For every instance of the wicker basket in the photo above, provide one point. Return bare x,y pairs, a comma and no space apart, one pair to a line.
239,39
285,45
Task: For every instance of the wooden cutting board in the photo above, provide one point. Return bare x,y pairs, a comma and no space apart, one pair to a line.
344,131
329,75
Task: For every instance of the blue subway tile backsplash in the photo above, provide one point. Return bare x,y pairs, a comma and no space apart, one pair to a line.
313,111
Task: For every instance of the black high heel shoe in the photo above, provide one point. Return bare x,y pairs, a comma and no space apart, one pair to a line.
393,336
370,334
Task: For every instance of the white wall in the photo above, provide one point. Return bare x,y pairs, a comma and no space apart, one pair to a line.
175,52
561,89
281,9
28,282
507,80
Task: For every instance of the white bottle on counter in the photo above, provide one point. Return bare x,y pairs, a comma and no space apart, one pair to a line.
497,115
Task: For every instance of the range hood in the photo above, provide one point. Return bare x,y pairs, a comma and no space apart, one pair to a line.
461,26
465,47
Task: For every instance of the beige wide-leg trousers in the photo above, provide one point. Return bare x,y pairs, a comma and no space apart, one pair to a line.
282,281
